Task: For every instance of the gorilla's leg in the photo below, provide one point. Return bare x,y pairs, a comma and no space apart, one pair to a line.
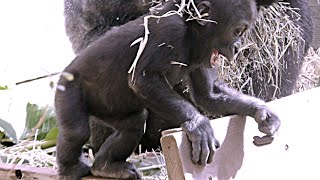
151,138
99,133
73,133
111,158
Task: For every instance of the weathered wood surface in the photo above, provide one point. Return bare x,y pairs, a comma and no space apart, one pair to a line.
294,154
13,172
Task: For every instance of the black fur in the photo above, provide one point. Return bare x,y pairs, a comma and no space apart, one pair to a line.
86,20
265,2
103,88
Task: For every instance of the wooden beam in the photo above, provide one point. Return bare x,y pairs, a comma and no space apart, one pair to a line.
12,171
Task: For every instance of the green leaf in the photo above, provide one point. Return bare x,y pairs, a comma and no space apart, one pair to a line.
43,144
42,118
52,134
4,87
8,130
2,135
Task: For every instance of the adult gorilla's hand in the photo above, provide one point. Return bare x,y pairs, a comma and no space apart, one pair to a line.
203,141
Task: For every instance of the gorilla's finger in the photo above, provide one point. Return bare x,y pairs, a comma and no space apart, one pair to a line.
196,151
205,151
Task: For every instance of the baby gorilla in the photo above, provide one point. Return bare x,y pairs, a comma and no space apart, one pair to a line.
177,50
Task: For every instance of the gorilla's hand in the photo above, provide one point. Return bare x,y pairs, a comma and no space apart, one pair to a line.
204,144
268,123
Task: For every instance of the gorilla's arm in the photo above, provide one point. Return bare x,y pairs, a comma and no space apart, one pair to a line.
216,97
161,98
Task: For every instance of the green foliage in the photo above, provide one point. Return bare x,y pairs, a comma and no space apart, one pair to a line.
52,134
4,87
8,131
2,135
41,118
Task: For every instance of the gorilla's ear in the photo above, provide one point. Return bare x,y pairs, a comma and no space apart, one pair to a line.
203,8
265,2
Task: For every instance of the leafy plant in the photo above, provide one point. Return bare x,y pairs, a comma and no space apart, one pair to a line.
39,121
4,87
7,131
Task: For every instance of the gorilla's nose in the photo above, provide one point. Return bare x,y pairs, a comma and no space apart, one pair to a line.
236,47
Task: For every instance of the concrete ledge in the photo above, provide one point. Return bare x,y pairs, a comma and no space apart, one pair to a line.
294,154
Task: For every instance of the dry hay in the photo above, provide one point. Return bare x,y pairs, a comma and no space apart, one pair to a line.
264,48
310,72
22,154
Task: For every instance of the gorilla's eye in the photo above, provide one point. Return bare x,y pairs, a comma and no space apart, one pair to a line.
239,31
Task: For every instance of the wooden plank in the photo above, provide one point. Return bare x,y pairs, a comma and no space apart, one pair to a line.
294,154
12,171
172,157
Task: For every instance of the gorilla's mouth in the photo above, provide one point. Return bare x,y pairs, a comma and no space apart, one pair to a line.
215,59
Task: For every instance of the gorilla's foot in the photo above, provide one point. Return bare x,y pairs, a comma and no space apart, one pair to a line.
74,172
116,170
